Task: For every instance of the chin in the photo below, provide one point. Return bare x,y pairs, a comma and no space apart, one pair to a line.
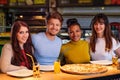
75,40
53,34
24,42
99,32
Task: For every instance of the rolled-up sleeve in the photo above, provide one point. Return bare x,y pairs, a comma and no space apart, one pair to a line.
5,60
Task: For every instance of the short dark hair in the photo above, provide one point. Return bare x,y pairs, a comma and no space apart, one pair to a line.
55,15
72,21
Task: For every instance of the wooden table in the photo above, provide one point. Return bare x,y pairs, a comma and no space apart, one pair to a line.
111,73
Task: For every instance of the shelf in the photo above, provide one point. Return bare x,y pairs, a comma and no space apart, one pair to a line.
89,11
24,4
79,5
33,14
87,3
32,18
30,13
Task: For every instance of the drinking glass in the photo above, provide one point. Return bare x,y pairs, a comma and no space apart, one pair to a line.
115,60
57,66
118,65
36,71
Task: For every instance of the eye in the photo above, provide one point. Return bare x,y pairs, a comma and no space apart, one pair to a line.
70,32
21,32
27,31
95,24
77,30
101,23
57,25
51,24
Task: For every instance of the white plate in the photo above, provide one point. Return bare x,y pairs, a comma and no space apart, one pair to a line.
46,67
102,62
21,73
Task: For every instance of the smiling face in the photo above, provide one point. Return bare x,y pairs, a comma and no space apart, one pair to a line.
74,32
22,35
99,28
53,27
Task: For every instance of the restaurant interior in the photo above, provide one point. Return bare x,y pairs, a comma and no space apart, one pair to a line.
34,12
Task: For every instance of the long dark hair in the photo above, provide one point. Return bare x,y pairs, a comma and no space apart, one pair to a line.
17,56
108,35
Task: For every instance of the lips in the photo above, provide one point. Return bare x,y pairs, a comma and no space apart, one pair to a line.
54,30
98,30
76,38
24,39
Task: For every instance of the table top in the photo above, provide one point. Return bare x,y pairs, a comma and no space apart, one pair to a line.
63,76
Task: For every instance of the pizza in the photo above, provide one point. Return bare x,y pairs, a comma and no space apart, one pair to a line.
83,68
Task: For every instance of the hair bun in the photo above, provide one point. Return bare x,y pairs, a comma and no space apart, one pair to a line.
71,21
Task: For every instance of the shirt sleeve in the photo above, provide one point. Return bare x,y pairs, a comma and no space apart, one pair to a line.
116,44
6,57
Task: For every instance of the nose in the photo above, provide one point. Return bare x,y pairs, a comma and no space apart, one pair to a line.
74,34
54,26
25,34
97,25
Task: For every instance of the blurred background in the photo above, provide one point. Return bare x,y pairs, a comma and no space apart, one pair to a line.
33,12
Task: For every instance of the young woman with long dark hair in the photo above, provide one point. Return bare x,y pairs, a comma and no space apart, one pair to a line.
103,44
13,55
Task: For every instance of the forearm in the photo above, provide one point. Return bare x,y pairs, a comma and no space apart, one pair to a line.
7,68
5,60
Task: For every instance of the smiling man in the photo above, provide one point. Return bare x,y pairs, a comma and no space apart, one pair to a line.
47,45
